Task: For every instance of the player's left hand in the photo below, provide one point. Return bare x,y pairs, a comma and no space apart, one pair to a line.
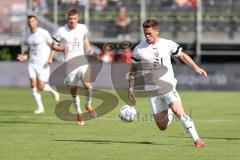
90,51
201,71
22,57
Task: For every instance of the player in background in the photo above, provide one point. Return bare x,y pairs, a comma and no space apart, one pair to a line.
39,44
71,39
156,50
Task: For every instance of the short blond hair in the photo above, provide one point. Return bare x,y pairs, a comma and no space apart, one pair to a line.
72,12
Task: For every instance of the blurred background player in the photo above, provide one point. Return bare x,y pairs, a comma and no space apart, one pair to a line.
106,54
125,52
71,40
156,50
39,42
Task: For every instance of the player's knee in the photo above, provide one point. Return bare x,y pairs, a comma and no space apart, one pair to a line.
161,126
40,87
87,85
175,111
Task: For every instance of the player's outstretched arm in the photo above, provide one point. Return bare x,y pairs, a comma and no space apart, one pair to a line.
132,75
188,60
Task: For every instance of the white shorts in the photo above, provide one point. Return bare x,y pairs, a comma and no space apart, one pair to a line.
74,77
39,72
160,103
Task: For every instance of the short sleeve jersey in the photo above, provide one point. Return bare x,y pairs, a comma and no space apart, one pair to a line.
72,39
38,43
160,53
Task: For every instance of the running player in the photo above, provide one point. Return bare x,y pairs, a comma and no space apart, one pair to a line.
71,40
39,42
157,51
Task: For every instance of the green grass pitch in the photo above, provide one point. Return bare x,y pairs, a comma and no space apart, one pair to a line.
26,136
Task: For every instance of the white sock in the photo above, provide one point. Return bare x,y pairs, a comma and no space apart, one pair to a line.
37,97
76,102
88,96
170,116
48,88
189,126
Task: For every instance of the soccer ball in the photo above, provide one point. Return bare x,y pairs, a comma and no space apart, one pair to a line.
127,113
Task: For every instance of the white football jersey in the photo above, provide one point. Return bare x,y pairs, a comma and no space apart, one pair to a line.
158,53
39,48
72,39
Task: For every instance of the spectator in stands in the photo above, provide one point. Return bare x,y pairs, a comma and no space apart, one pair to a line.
106,55
82,3
125,52
122,22
1,27
69,2
40,7
186,3
98,5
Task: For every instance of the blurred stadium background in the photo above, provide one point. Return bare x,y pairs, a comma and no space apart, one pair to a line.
208,30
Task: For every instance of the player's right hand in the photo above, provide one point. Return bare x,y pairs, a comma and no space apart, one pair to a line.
131,96
201,71
90,51
65,50
50,60
21,57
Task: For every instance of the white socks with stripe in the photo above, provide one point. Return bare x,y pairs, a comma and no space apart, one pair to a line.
88,96
189,126
76,102
38,99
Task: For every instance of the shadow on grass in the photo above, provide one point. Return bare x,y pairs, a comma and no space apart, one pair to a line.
223,138
117,142
15,111
219,138
30,122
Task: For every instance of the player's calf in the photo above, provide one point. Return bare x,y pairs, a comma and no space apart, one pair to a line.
161,120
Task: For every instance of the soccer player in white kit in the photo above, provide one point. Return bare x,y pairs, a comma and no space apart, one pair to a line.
39,42
156,50
71,40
